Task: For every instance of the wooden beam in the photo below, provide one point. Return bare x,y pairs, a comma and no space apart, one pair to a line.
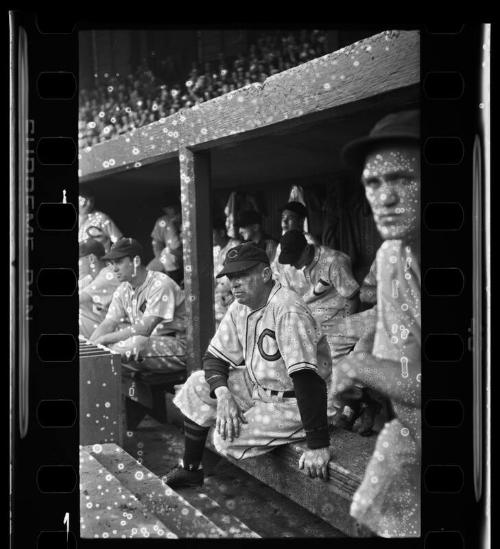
198,252
381,63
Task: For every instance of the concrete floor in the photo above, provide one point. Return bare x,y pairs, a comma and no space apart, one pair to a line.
261,508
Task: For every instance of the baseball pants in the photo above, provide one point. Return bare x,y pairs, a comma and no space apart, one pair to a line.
272,420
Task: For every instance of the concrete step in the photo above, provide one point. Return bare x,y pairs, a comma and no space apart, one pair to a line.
329,500
176,514
232,526
238,494
109,510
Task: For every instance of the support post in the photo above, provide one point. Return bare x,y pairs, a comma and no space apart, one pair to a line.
197,252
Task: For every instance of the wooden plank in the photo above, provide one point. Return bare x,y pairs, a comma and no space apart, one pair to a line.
173,510
100,398
197,250
109,510
329,500
374,66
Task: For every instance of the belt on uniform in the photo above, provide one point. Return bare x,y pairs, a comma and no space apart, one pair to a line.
285,394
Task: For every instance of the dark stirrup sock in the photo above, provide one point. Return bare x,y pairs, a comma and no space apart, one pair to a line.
195,437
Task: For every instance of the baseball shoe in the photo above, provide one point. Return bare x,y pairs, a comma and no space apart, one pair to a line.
178,477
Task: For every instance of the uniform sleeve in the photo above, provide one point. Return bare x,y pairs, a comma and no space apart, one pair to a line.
297,338
226,344
368,292
216,372
116,311
341,277
161,300
101,289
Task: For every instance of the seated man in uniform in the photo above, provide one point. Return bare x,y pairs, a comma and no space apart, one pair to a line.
222,244
87,270
293,215
278,396
151,305
388,500
250,224
96,289
88,216
166,242
324,280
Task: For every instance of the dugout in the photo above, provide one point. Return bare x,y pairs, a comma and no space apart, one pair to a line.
260,140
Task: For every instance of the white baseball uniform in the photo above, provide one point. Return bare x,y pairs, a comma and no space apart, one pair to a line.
101,290
388,499
160,296
329,289
262,347
222,296
100,220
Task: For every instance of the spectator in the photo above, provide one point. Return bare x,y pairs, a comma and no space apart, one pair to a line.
117,104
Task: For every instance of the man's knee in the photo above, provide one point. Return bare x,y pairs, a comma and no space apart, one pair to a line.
195,383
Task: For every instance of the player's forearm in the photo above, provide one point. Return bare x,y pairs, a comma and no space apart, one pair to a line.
398,381
107,326
216,372
310,390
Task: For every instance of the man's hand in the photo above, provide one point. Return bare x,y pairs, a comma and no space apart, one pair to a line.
229,415
315,462
100,340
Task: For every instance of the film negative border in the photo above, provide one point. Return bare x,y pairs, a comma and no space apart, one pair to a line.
35,449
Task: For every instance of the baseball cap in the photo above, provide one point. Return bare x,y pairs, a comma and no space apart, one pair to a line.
85,192
248,217
295,207
292,245
122,248
91,246
402,126
242,258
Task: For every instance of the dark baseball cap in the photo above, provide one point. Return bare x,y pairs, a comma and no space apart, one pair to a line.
292,245
400,127
248,217
122,248
85,192
91,246
242,258
295,207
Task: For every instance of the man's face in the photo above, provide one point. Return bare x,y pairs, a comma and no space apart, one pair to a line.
391,178
248,287
290,220
123,268
83,205
249,232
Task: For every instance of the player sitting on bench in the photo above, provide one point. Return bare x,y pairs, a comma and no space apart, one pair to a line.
152,306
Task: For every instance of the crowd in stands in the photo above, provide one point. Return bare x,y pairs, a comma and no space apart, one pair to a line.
119,103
